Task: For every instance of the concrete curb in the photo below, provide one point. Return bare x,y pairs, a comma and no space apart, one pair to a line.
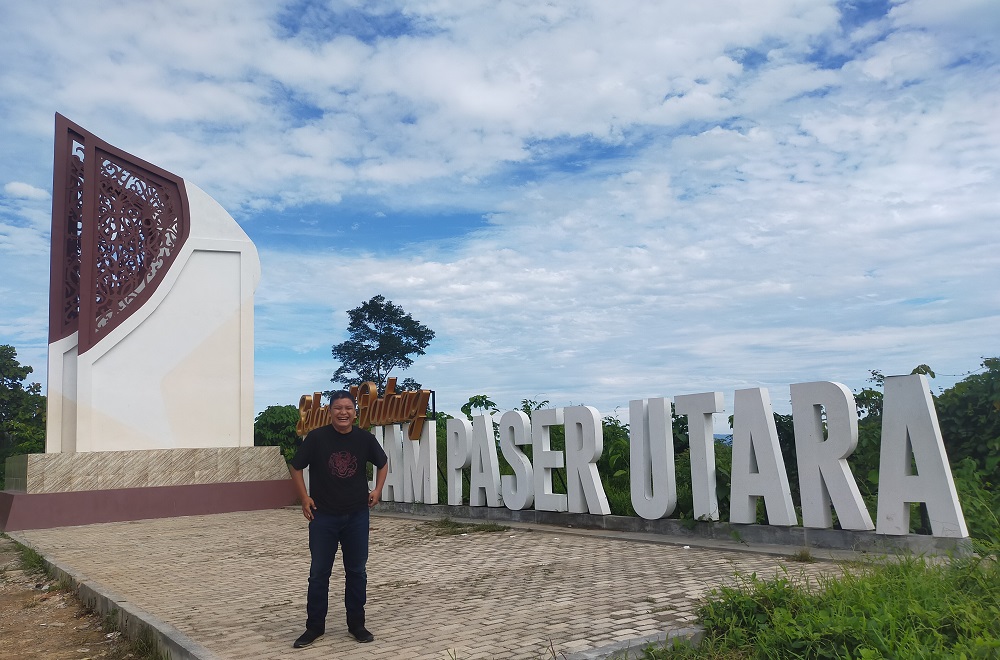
632,649
134,623
703,533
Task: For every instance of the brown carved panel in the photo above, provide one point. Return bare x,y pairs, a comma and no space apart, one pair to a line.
138,230
67,228
74,229
117,225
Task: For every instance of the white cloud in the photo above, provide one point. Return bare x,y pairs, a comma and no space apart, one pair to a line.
19,190
681,196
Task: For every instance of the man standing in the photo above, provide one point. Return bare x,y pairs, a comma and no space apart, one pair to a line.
338,512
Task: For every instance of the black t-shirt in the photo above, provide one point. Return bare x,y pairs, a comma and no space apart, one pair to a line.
338,479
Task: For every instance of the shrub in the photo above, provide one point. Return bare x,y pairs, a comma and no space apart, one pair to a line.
910,608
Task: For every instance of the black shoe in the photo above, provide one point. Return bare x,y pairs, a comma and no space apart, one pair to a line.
362,635
307,638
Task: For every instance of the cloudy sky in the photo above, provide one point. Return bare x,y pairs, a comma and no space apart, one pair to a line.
588,201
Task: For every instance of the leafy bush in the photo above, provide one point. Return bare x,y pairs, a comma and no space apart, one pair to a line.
911,608
275,426
980,499
619,499
969,415
22,410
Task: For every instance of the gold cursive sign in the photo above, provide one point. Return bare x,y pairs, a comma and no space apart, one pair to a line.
392,408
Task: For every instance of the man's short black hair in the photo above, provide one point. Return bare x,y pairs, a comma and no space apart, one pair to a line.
342,394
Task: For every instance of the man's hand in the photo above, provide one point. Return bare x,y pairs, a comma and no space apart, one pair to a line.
308,506
376,495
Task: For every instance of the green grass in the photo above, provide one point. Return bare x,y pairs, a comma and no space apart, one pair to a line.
449,527
804,556
32,562
909,608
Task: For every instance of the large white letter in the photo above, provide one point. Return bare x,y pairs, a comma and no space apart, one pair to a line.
545,459
584,444
484,480
699,409
420,482
758,469
458,433
824,476
651,459
516,489
392,441
910,430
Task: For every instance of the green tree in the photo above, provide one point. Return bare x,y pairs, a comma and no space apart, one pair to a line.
275,426
382,338
22,410
529,406
481,401
969,414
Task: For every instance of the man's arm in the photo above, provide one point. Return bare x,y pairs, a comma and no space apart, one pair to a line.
376,495
300,489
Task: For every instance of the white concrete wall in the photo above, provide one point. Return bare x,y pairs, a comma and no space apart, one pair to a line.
178,372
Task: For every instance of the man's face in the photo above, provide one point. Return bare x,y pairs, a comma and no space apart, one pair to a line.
344,414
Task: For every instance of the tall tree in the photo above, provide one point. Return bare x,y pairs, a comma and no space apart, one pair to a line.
382,338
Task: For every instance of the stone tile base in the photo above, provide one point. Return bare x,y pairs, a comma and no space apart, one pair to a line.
113,470
57,490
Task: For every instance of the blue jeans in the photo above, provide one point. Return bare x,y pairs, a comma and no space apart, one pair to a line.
326,532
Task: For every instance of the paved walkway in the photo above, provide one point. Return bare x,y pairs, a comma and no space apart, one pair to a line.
235,584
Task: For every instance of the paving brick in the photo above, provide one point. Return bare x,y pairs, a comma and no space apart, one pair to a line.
235,584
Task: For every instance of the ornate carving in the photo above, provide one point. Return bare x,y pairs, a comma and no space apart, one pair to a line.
74,230
116,228
67,231
138,230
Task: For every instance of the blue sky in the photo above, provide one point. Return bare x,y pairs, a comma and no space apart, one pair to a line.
588,202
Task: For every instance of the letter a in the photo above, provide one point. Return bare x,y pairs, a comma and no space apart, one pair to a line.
392,443
910,431
484,477
758,469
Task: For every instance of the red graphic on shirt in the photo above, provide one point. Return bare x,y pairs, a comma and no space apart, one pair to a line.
343,464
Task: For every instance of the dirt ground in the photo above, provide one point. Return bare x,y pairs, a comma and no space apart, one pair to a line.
38,620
